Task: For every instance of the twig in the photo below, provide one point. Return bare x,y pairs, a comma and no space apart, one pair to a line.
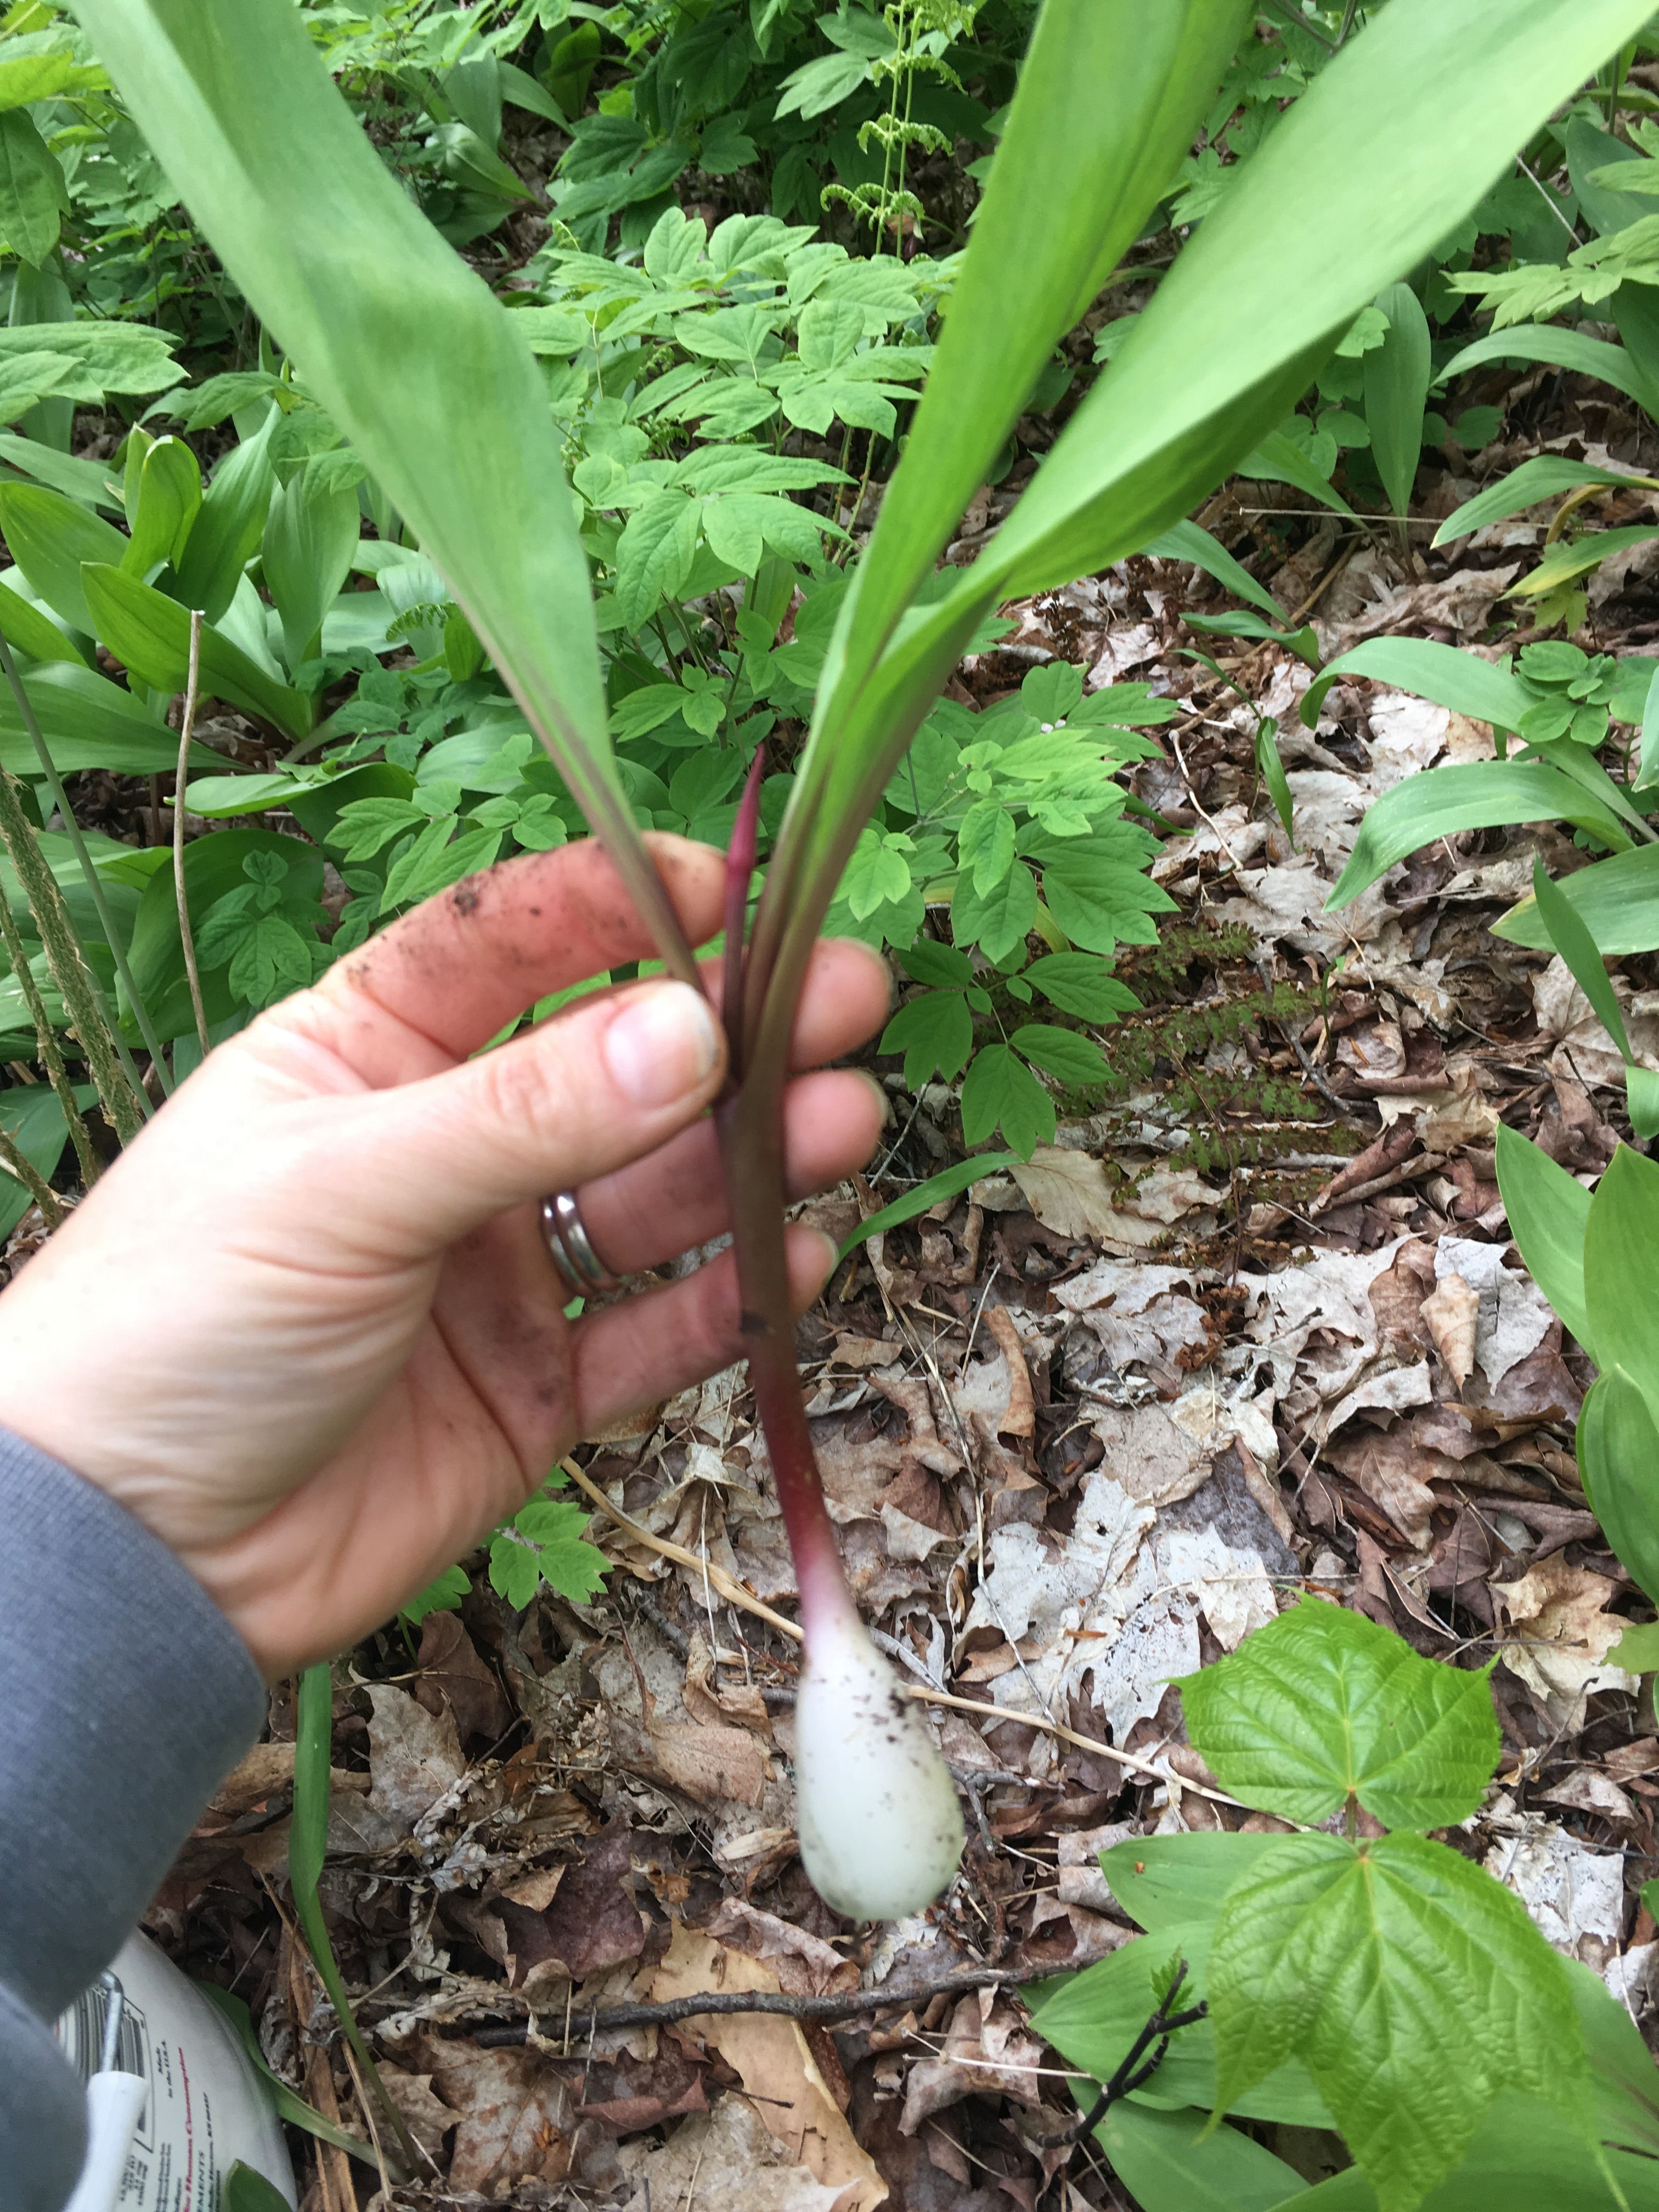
848,2004
734,1594
123,1101
1555,206
94,885
186,729
51,1058
14,1163
1133,2074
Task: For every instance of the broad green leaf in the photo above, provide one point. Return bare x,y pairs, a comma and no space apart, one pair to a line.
33,192
169,494
228,525
114,356
213,866
1323,1705
310,543
246,2190
1480,795
33,1118
1412,1985
985,843
88,722
1620,1240
1000,1093
1100,903
1545,477
1093,2018
1482,690
149,634
935,1033
1173,2162
997,921
1548,1214
1562,562
1638,1652
1617,900
947,1183
1557,349
35,77
1618,1450
398,339
50,537
1570,937
1187,542
1164,1882
654,555
1397,376
1072,1060
32,632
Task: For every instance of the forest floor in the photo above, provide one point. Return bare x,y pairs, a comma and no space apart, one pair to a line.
1252,1327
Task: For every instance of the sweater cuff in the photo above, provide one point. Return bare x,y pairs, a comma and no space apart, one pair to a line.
125,1696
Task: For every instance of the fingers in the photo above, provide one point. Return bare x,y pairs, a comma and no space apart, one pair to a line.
637,1353
605,1083
655,1208
463,964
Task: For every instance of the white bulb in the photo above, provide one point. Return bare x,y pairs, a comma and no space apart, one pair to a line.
880,1828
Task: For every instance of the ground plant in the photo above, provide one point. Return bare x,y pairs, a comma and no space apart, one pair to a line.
528,420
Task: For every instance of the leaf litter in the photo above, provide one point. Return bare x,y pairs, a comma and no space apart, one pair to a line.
1083,1429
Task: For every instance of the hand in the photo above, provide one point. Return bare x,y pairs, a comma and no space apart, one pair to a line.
306,1328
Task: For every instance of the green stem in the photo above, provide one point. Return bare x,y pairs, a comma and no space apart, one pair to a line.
123,1101
106,920
12,1159
51,1058
308,1842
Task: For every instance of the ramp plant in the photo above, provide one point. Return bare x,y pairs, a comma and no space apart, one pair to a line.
426,374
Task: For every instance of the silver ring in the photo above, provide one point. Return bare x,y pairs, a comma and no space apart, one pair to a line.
571,1249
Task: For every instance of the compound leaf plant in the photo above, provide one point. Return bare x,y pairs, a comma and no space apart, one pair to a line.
426,374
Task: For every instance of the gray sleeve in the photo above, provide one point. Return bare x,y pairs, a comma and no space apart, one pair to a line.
126,1695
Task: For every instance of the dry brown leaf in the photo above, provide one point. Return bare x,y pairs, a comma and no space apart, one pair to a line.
513,2115
1019,1417
714,1702
1564,1634
777,2068
1451,1316
728,2161
988,2051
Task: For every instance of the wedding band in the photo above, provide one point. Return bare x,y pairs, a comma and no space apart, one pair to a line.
571,1249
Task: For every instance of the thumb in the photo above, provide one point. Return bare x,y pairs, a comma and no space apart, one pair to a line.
602,1084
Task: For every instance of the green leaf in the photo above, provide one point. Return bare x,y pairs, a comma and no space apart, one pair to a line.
50,537
1072,1060
33,192
1000,1093
1545,477
1000,919
1397,376
1186,541
395,338
1618,1450
289,2107
1463,681
1412,1986
169,496
935,1033
33,1117
213,868
1617,900
925,962
1271,769
1101,902
88,722
310,542
246,2190
1570,937
655,556
1480,795
1324,1705
985,843
442,1595
1080,983
149,633
1557,347
1548,1214
1172,2162
545,1543
32,632
226,531
1562,562
1165,1882
1620,1240
1638,1652
946,1184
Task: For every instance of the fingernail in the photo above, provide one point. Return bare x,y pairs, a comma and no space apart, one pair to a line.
831,1255
662,1044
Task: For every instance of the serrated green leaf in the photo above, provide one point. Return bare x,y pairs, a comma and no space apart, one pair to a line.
32,188
985,843
1412,1985
1323,1705
654,555
1072,1060
1102,903
1000,1093
929,962
442,1595
543,1543
935,1033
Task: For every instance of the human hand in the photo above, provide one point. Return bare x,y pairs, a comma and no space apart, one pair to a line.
307,1329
